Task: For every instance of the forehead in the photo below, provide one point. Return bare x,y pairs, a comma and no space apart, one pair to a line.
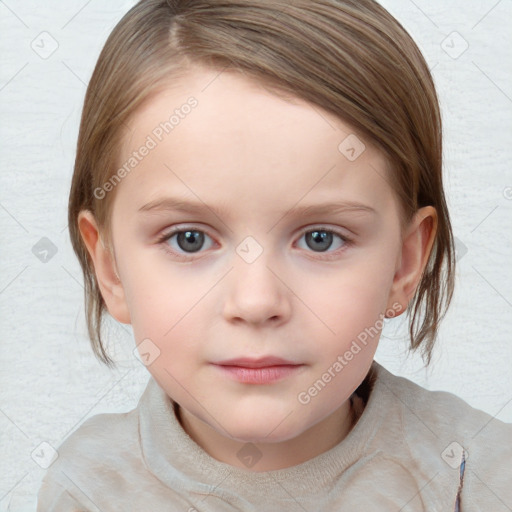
220,133
230,106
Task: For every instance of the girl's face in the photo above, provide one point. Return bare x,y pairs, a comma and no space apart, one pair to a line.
253,227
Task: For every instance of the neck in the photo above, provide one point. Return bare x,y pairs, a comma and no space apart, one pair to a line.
318,439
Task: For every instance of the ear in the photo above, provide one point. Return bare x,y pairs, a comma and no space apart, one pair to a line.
104,267
417,243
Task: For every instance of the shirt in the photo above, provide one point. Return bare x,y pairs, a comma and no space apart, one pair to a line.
410,450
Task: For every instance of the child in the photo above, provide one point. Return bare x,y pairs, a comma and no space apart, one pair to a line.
254,130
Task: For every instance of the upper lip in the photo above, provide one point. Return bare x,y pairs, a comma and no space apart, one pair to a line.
262,362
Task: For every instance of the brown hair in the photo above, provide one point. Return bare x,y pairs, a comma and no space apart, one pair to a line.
349,57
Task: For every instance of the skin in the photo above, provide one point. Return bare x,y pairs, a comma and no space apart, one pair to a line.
252,156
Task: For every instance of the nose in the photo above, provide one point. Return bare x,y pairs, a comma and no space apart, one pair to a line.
257,294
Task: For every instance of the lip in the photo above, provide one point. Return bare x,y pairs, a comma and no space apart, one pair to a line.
261,362
265,370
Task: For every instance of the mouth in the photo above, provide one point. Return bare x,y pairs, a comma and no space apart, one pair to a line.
264,370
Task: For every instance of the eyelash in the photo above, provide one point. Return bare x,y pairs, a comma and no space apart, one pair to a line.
162,241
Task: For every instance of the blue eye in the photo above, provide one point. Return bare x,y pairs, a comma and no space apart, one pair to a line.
189,241
320,240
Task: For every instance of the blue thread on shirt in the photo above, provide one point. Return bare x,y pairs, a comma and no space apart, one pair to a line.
462,468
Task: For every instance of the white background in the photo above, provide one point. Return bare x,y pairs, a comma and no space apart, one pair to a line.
50,381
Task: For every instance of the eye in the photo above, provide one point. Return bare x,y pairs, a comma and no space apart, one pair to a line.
185,241
320,239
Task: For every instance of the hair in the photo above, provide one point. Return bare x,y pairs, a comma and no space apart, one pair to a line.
350,57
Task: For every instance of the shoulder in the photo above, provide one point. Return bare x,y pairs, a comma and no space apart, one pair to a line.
103,448
101,429
99,441
444,413
101,438
439,426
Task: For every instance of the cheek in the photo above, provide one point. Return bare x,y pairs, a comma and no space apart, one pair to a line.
168,311
349,307
350,299
157,292
168,304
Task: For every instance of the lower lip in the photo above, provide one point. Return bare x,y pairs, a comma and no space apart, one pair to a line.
265,375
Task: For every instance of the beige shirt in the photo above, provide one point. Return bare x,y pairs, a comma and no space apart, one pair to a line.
405,453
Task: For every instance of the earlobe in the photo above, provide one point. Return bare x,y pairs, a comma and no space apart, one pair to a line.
417,244
107,277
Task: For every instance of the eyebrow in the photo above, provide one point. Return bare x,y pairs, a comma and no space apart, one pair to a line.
181,205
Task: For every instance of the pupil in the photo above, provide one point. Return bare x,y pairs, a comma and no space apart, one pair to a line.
194,239
322,239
